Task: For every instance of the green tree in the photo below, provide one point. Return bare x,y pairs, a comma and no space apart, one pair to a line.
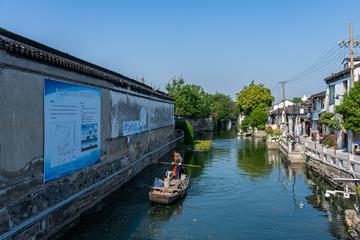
190,100
350,109
222,107
296,100
245,124
328,120
258,117
254,96
250,85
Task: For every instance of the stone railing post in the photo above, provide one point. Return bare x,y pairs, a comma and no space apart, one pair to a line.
323,155
349,167
290,147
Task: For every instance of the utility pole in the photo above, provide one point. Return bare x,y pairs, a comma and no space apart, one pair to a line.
346,43
351,57
283,83
352,80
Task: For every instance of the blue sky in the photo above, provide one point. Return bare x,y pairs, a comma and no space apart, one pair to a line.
219,45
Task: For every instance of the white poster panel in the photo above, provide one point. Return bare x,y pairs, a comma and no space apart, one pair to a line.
132,127
71,128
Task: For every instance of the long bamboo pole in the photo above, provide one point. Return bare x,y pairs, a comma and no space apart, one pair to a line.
181,164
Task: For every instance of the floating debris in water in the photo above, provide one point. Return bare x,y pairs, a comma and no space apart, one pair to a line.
276,209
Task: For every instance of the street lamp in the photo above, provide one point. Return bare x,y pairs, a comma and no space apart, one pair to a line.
337,96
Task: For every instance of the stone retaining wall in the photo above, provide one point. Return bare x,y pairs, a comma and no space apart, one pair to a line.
202,124
33,209
66,207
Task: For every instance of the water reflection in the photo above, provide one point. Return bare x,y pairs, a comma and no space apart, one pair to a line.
251,159
240,188
165,213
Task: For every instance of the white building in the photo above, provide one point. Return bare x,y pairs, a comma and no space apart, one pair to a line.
241,117
337,85
279,118
281,105
304,98
296,114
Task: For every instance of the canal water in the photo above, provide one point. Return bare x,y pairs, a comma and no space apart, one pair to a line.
241,191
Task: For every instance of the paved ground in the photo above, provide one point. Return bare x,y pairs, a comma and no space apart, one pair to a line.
339,152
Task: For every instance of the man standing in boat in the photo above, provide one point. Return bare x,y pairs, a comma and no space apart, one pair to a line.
177,169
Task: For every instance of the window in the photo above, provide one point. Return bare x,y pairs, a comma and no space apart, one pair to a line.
322,103
331,94
345,86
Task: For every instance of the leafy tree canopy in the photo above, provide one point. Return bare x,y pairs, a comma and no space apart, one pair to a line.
250,85
296,100
222,107
328,120
258,117
254,96
190,100
350,109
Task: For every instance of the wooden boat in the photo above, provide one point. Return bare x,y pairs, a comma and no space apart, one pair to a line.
166,195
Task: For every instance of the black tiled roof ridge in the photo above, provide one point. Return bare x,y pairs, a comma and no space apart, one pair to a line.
341,72
292,109
357,58
10,42
320,94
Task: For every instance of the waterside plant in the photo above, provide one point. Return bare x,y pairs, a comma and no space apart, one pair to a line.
198,144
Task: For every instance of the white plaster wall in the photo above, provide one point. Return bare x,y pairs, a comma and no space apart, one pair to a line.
281,104
161,114
126,107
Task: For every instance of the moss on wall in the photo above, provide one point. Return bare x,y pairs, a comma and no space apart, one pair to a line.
188,131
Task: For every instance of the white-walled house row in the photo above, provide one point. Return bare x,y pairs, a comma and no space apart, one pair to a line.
336,86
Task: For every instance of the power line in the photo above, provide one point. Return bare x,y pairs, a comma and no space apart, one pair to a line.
309,68
327,60
316,70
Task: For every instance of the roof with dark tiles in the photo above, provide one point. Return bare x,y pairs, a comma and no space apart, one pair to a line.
343,72
320,94
31,49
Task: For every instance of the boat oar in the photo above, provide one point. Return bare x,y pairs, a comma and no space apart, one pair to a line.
181,164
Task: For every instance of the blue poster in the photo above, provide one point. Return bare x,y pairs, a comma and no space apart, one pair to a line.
132,127
71,128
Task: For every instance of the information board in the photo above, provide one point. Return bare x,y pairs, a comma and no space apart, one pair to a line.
132,127
71,128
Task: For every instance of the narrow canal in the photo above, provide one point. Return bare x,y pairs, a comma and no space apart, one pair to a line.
242,191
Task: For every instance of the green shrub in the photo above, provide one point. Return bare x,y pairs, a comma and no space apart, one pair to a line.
245,124
261,127
328,140
357,190
258,117
200,144
269,130
277,132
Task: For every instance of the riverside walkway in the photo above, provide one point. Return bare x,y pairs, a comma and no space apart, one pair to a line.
339,152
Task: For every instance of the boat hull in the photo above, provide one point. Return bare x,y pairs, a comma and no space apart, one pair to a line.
163,195
165,198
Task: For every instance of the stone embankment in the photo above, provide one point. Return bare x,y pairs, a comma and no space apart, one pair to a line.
331,167
353,222
202,124
259,133
292,155
328,165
